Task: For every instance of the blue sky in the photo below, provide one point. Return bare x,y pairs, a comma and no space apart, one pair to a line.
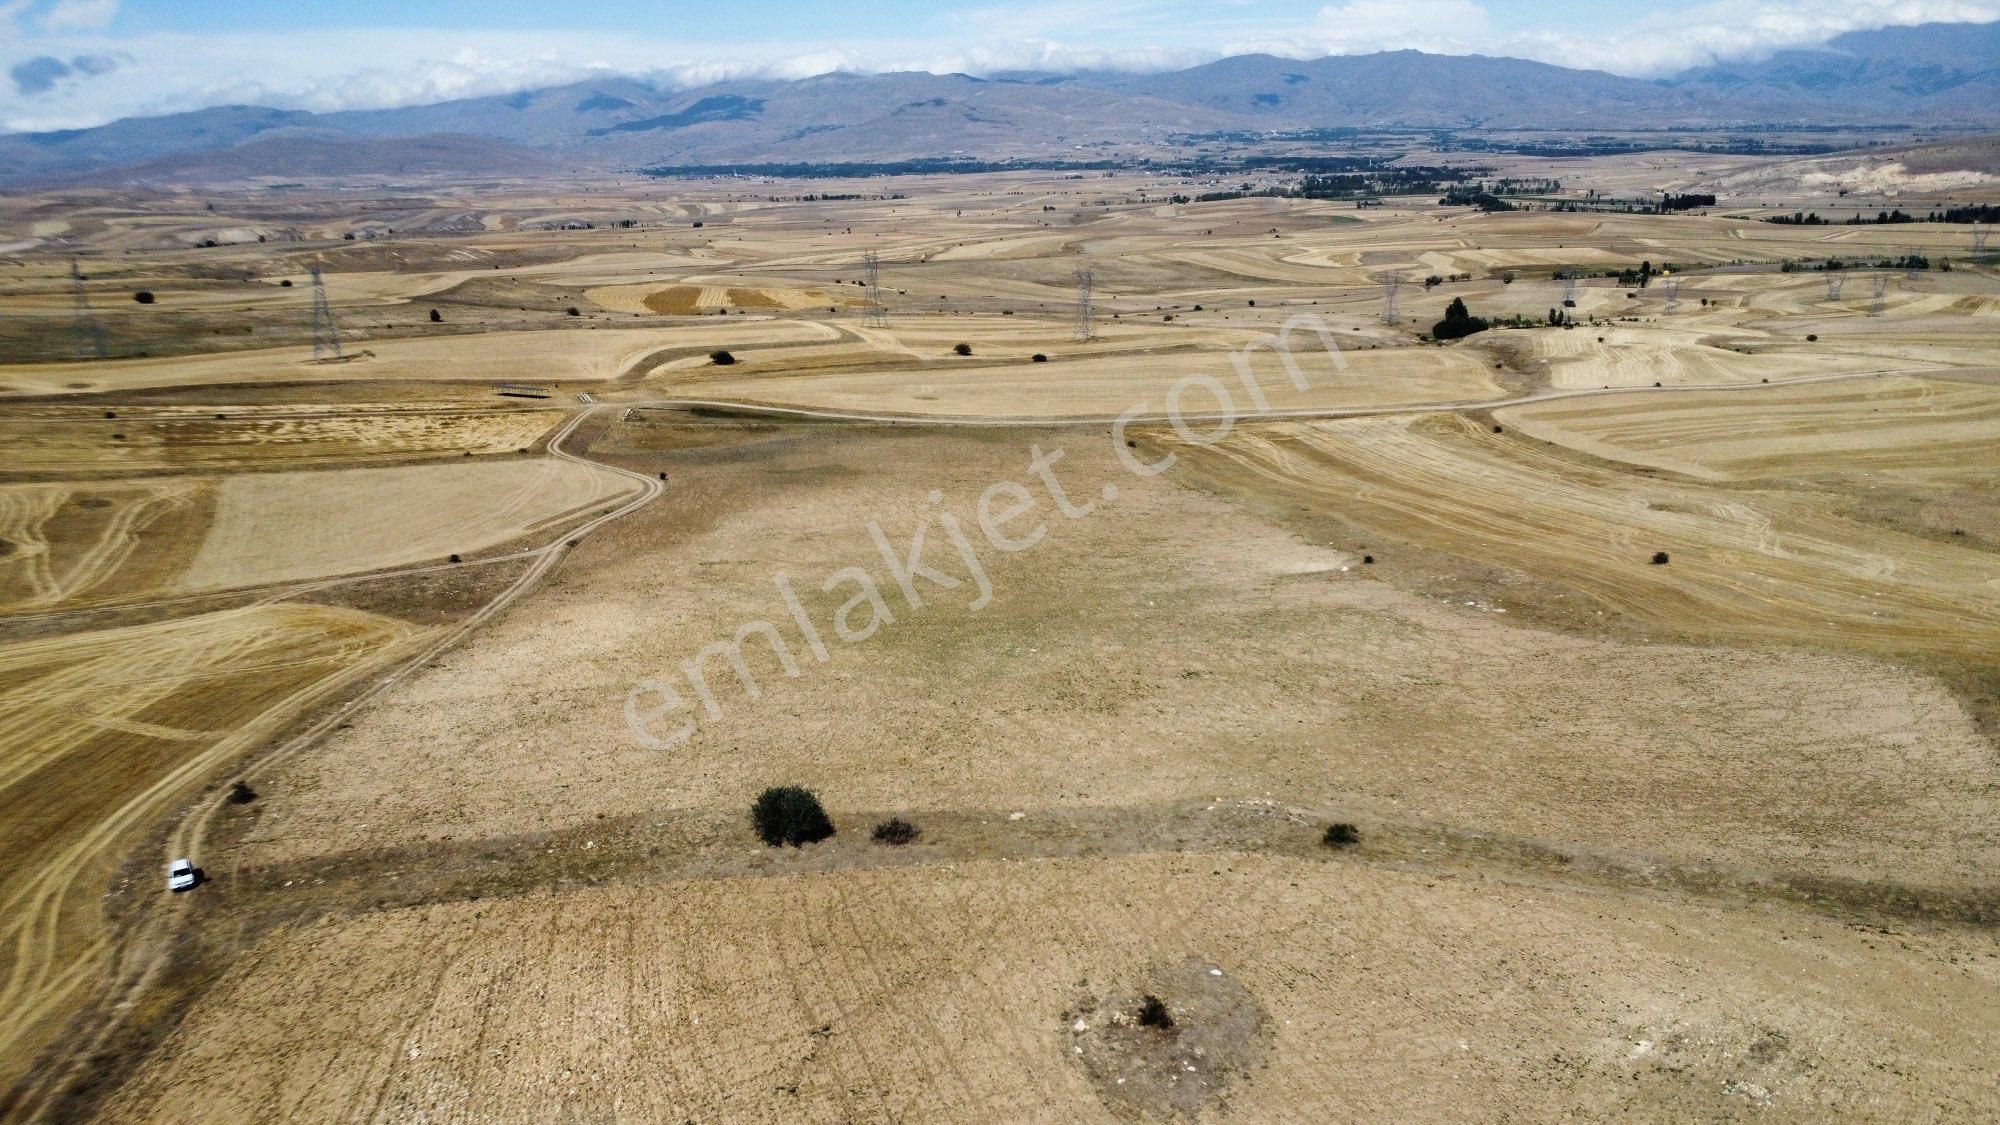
82,62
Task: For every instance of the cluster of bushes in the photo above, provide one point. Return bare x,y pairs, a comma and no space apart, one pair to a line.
791,816
1687,202
1458,322
1906,262
1484,200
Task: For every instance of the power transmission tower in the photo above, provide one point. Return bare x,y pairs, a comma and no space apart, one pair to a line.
1390,283
1673,294
1835,280
1569,292
89,336
1084,331
1910,262
1876,305
875,314
1979,238
326,335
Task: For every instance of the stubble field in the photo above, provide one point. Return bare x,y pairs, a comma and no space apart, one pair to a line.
1708,837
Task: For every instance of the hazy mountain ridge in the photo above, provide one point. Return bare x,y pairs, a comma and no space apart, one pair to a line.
1932,71
1940,73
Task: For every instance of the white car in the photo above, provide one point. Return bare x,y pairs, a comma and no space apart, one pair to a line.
180,876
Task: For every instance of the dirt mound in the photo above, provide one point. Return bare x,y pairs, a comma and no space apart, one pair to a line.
1172,1046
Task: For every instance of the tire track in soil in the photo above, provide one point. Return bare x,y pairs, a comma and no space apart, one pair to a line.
144,949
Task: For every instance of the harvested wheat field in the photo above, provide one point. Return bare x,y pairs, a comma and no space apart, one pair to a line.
579,356
1907,428
1089,386
106,731
984,990
1744,565
65,542
63,441
1259,695
281,527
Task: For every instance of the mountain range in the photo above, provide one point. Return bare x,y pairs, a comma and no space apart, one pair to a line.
1934,74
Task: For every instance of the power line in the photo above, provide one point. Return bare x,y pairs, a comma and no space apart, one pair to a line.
89,336
875,314
1084,330
326,334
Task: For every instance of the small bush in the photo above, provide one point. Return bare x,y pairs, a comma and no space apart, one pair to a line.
1368,560
1153,1013
961,349
721,357
895,832
437,317
1039,358
788,814
1659,558
240,793
1812,338
285,283
143,296
574,311
1342,835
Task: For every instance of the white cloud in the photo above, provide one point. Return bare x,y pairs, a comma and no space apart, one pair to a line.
1664,43
79,15
366,68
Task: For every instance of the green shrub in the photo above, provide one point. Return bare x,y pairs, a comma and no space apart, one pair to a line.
788,814
1341,835
896,832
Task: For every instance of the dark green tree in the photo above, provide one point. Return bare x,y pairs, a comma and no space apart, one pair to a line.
789,814
1457,322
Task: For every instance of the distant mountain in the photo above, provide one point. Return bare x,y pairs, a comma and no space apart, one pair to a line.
828,117
286,154
136,139
1414,88
1934,74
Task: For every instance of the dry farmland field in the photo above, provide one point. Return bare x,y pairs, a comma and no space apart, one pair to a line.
1648,662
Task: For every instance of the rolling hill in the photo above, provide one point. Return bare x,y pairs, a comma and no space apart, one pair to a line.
1938,74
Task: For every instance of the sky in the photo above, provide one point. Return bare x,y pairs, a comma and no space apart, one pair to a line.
77,63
